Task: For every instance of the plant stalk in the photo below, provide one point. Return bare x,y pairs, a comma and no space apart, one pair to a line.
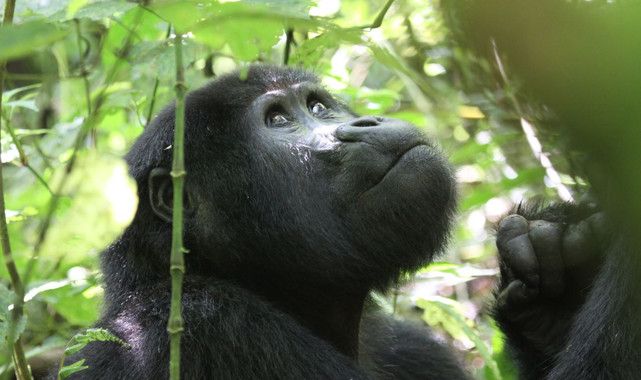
177,261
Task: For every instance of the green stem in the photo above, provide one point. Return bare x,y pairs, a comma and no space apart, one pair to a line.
381,15
23,372
177,261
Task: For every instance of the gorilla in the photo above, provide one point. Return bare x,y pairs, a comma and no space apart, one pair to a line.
296,209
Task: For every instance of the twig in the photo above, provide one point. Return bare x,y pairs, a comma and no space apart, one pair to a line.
530,135
177,261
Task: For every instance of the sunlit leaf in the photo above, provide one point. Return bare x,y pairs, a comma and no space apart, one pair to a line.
19,40
104,9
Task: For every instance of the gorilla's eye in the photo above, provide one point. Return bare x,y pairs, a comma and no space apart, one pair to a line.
316,107
276,118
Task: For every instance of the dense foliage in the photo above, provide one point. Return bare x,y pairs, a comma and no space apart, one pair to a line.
84,78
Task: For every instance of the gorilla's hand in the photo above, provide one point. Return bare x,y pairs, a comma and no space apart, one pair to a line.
547,269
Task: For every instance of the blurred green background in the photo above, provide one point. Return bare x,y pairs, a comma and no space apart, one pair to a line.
505,89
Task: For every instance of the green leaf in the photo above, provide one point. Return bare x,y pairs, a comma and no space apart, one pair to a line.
78,302
7,298
502,358
246,37
70,369
157,58
450,309
23,39
185,16
95,10
28,104
74,6
310,51
80,340
104,9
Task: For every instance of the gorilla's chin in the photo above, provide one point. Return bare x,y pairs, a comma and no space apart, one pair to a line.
405,218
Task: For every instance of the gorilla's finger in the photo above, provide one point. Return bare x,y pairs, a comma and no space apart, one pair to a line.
510,227
545,237
516,250
514,295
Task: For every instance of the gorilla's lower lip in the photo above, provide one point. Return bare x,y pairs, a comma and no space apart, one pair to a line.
397,160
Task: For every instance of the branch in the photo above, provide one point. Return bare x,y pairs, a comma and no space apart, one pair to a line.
177,261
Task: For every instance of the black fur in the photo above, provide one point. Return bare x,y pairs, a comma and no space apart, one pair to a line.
289,227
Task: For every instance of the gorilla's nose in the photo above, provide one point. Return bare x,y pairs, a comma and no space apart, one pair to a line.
366,121
387,135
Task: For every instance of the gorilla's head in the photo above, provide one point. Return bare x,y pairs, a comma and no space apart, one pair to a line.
285,182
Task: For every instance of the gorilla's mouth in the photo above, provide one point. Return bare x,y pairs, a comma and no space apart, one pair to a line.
397,160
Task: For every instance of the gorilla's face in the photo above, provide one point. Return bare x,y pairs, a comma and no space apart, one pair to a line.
299,185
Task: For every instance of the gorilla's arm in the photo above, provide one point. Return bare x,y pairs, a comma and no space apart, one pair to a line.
229,334
394,349
605,339
565,302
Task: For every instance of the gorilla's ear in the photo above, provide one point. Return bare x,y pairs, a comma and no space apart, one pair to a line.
161,193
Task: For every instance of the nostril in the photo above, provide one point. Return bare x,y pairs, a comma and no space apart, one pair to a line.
366,121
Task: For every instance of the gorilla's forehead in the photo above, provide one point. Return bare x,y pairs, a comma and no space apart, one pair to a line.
263,79
235,89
